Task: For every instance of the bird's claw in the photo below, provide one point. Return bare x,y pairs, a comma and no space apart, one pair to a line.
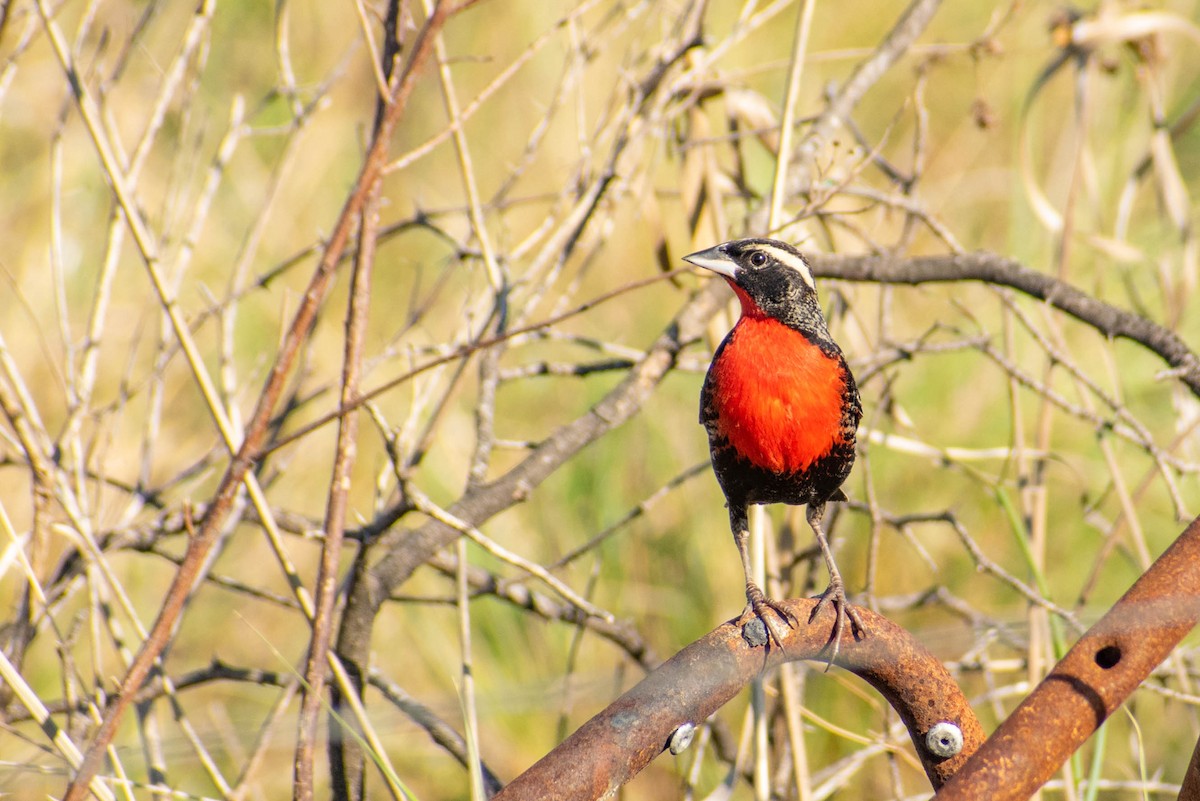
835,593
757,604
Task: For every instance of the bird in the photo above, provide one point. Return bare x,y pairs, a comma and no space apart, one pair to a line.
781,409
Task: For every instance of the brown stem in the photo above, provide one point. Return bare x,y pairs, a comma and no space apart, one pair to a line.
335,513
211,526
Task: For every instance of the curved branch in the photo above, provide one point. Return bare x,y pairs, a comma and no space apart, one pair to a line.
612,747
994,269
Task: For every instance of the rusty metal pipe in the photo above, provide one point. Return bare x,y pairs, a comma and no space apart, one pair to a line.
1189,790
1091,681
612,747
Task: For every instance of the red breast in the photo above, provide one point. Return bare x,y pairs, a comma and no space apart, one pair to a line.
778,396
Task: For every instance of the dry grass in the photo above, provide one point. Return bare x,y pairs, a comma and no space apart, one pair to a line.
163,225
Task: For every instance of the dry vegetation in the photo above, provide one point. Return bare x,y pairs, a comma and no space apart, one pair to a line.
204,200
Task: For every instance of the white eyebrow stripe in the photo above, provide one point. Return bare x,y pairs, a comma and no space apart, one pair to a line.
789,259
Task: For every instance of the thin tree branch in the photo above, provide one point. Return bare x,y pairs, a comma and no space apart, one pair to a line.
995,269
206,537
345,455
371,588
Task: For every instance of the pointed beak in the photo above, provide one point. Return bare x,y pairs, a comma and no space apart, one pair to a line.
715,259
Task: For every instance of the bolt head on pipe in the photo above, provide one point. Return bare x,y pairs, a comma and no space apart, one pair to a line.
681,738
944,739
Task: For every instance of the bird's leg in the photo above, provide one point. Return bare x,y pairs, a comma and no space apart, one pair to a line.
835,593
756,600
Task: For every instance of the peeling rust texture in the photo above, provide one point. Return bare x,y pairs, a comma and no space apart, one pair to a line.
611,748
1092,680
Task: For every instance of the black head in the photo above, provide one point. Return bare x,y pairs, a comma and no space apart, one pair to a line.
771,278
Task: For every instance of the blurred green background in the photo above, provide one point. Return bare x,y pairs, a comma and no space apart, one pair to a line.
242,128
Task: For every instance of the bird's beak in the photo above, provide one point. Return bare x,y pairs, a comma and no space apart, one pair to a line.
715,259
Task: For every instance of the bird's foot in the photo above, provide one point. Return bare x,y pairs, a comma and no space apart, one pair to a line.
835,594
758,607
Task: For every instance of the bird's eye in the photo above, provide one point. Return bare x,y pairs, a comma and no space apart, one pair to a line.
758,258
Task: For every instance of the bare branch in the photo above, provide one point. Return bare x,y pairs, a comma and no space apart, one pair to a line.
995,269
200,545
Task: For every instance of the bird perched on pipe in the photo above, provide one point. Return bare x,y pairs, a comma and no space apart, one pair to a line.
781,408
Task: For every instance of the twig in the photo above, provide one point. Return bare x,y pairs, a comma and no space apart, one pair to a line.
621,634
426,506
899,40
439,730
466,350
206,537
37,709
371,588
345,455
788,121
